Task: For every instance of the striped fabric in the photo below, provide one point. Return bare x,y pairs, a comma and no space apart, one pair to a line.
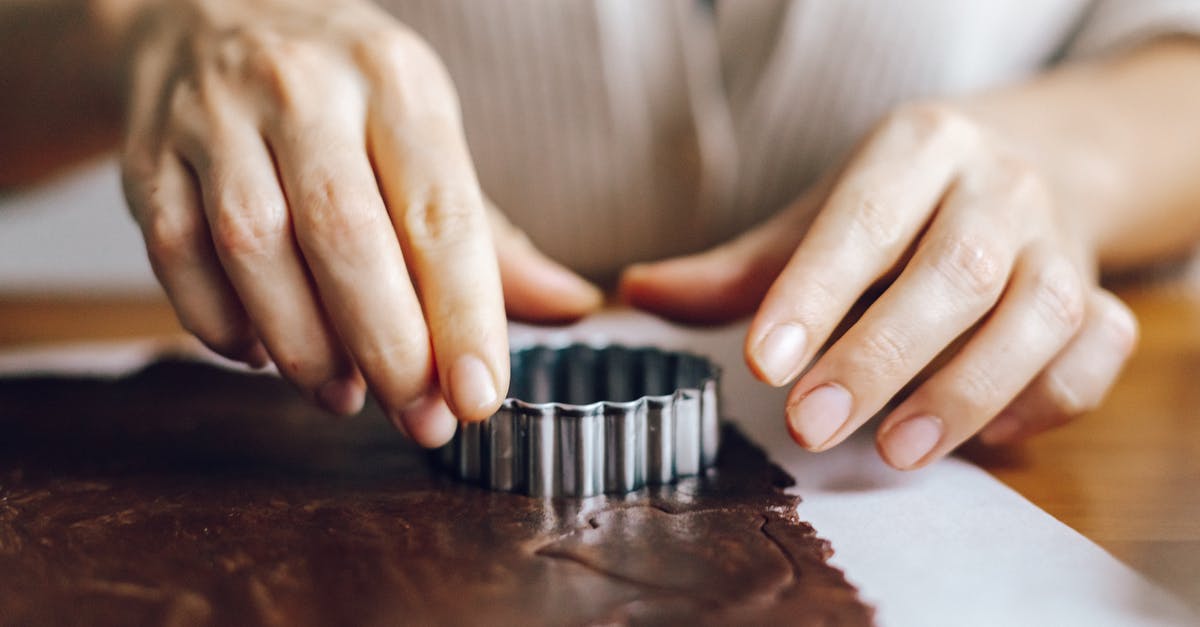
615,131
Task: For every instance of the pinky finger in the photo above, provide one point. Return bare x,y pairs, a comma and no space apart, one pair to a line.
1078,378
165,202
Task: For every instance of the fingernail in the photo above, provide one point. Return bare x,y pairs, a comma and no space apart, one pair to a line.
778,353
819,415
341,396
471,386
907,443
1000,430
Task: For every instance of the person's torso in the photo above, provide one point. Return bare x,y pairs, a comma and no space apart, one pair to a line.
615,131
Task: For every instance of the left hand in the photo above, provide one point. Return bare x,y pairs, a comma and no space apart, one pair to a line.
980,266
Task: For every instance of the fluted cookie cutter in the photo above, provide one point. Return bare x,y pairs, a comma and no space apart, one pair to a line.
583,420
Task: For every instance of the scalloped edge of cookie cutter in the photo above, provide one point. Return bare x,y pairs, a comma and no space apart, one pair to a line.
574,447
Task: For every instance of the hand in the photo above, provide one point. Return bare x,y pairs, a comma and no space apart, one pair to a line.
300,175
978,265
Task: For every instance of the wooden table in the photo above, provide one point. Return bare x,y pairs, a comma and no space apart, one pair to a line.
1127,475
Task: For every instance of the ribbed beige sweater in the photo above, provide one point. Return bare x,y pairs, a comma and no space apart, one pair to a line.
615,131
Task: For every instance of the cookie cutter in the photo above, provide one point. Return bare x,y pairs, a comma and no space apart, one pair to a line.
583,420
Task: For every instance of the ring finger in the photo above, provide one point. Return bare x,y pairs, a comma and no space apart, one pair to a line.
1042,309
252,232
1078,378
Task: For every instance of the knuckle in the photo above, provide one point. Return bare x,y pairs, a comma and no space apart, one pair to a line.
976,387
441,223
186,117
1059,295
331,213
245,228
933,123
884,353
171,238
819,295
972,265
877,227
182,100
396,47
136,168
196,113
1066,401
277,66
399,373
1022,184
410,72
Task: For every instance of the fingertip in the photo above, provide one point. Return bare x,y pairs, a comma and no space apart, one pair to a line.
1118,319
698,289
256,356
817,417
637,286
429,421
473,389
1004,429
583,294
912,443
775,355
591,298
343,396
651,275
631,277
795,434
541,290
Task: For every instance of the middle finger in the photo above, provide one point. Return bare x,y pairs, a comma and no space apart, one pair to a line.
351,250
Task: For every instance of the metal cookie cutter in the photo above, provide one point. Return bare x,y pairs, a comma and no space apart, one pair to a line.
583,420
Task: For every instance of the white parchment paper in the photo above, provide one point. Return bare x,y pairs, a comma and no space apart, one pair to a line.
948,545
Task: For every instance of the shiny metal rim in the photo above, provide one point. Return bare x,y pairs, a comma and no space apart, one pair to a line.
583,420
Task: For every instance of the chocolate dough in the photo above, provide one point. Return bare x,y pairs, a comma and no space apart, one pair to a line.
187,495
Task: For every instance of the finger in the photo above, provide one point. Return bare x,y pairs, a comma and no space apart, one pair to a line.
1078,378
350,249
1041,311
955,277
428,421
537,288
252,233
880,204
721,284
164,200
438,212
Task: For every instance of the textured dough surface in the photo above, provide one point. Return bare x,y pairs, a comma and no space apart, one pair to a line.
188,495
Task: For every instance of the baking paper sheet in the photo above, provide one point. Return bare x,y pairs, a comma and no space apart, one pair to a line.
948,545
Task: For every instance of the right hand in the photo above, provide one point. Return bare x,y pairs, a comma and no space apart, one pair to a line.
300,175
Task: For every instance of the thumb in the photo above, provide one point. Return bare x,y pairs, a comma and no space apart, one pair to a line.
721,284
537,288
